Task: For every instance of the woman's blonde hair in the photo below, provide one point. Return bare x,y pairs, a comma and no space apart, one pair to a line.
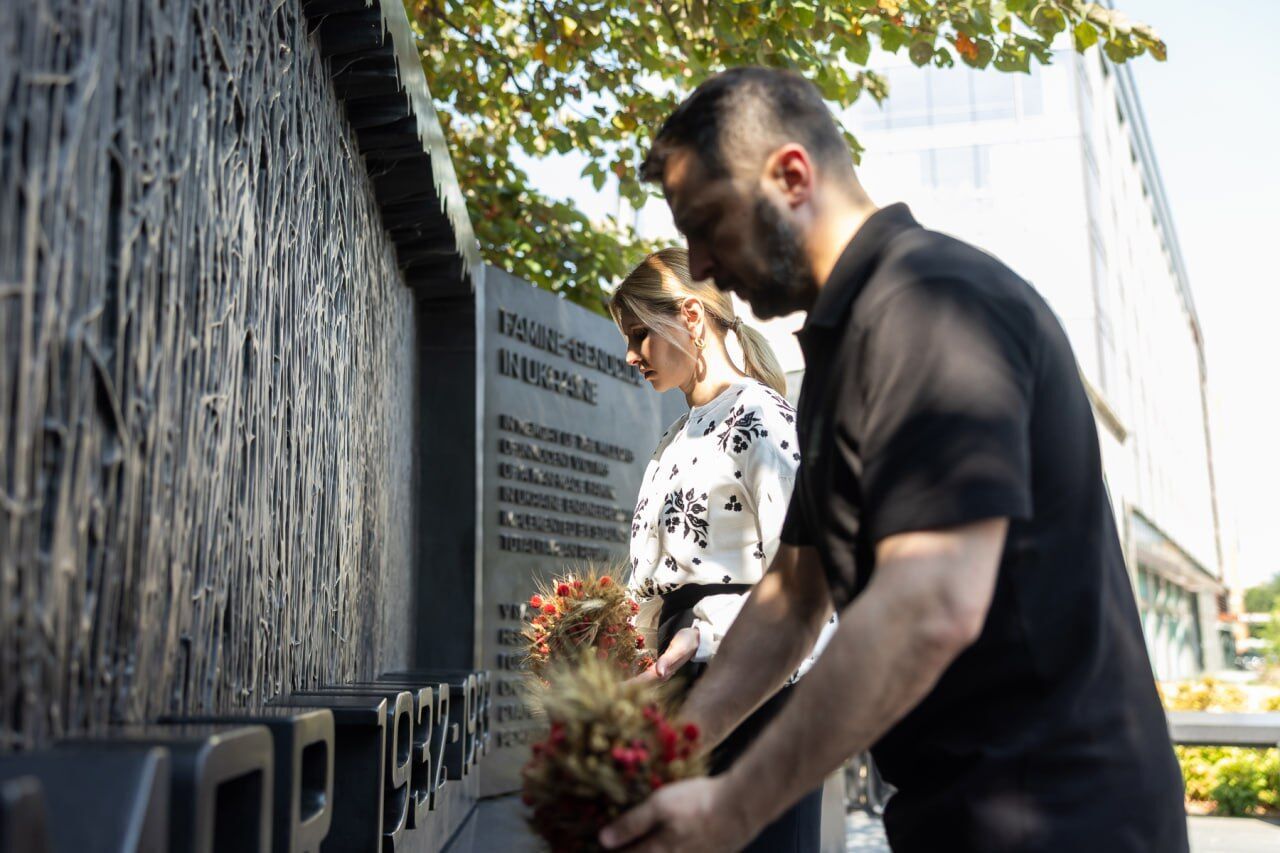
654,294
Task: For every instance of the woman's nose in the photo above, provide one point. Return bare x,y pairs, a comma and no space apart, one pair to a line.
633,356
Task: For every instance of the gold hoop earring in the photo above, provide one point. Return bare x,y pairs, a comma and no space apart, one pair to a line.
699,343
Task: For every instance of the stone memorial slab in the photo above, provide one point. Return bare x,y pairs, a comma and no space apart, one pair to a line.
129,815
303,795
567,430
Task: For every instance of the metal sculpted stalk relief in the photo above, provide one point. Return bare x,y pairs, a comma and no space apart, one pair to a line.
205,370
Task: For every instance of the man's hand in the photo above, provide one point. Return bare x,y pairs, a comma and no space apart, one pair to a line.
690,815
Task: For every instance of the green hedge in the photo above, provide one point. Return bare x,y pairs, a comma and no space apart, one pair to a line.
1237,781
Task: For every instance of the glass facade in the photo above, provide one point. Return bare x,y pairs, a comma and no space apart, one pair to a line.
1171,624
921,97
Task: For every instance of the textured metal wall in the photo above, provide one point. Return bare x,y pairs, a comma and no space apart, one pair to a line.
205,369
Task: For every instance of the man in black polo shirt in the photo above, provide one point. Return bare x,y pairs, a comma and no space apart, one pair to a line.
950,504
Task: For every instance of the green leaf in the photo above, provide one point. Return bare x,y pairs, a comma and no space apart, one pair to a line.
858,49
1084,35
892,38
920,53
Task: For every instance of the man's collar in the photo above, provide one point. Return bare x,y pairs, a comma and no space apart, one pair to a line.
855,265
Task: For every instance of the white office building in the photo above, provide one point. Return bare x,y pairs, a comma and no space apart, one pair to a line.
1053,173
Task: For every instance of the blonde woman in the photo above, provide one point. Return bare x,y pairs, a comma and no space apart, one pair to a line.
710,510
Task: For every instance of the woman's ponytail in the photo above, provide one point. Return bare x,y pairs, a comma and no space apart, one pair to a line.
760,362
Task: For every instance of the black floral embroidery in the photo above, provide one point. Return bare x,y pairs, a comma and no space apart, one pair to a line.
758,553
733,505
785,445
710,428
670,563
784,408
635,519
795,456
675,469
726,579
740,429
738,474
697,561
687,510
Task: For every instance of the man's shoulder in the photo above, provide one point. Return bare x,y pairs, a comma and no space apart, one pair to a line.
921,260
922,256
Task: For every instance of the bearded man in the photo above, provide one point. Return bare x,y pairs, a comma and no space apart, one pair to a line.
950,505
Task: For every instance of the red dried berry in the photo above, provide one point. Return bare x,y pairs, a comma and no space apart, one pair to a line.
563,589
549,609
606,581
691,731
535,601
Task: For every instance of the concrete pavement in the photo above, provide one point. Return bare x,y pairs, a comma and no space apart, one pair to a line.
865,834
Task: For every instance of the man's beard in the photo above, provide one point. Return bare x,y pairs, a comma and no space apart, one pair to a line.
787,284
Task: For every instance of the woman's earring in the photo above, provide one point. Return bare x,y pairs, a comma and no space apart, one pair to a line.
699,343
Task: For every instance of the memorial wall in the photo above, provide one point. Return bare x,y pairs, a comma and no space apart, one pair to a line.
206,370
221,224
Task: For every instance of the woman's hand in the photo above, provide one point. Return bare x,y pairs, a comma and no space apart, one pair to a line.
681,650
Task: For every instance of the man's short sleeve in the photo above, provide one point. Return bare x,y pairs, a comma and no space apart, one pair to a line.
947,373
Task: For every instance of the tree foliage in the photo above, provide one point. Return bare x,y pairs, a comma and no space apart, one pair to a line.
533,77
1264,597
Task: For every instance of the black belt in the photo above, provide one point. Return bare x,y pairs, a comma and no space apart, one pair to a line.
677,606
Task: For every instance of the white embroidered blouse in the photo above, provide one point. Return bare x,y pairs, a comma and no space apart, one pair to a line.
711,507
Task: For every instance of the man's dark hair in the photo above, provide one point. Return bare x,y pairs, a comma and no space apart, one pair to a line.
739,116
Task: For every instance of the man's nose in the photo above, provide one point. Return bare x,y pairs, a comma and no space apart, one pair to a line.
700,266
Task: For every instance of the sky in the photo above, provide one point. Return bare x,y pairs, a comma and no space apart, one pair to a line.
1212,113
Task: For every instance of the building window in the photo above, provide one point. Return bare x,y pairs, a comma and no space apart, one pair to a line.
951,95
908,104
929,96
1031,92
993,96
966,168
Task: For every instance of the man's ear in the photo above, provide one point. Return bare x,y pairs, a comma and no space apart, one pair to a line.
789,174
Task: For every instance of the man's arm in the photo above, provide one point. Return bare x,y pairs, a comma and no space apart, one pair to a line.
774,631
926,603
